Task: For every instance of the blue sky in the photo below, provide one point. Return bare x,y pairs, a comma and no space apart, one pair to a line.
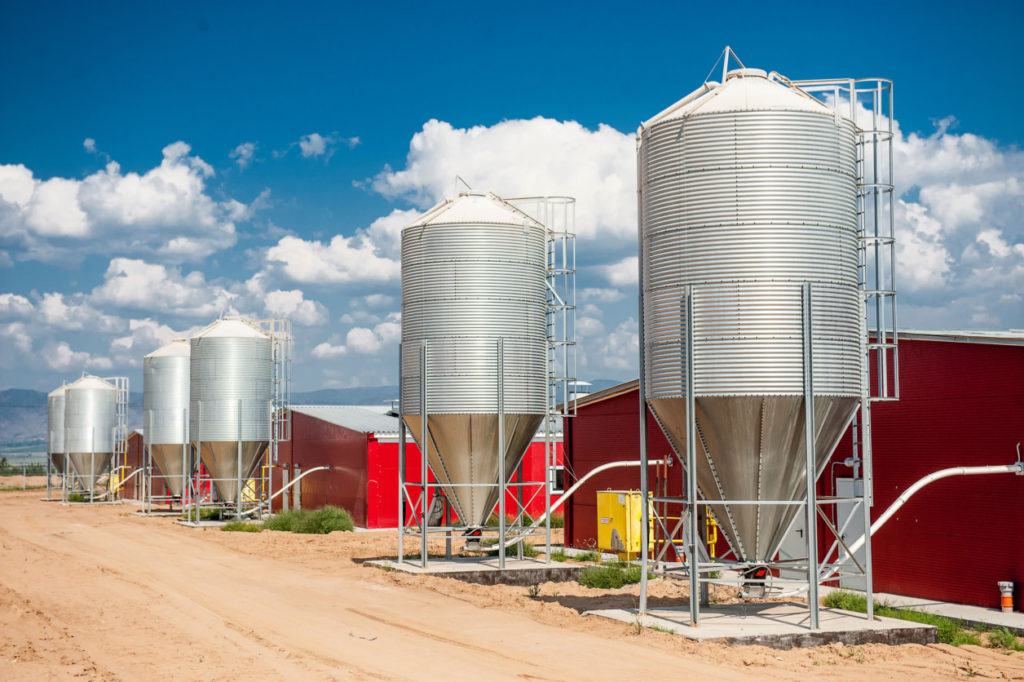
248,136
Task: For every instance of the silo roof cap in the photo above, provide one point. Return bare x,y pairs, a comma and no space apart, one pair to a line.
231,327
57,392
743,90
90,382
475,207
177,347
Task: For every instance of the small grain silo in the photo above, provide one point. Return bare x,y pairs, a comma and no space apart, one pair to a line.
55,428
237,396
90,421
165,405
474,344
753,338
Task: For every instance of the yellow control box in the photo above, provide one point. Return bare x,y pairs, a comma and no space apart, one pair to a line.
619,520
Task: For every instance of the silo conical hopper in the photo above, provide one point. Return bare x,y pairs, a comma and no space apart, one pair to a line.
89,419
748,191
165,378
473,272
230,400
55,428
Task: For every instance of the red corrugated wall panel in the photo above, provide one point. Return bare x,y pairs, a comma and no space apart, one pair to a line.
962,404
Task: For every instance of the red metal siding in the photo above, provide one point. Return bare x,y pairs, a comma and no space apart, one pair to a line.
318,443
961,404
604,432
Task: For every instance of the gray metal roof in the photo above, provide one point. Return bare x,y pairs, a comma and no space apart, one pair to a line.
1010,337
353,417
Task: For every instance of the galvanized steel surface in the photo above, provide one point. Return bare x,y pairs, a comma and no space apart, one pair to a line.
473,272
744,203
464,286
89,417
230,392
165,394
55,422
746,206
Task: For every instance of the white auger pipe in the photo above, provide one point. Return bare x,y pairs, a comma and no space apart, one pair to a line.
575,486
290,484
1015,468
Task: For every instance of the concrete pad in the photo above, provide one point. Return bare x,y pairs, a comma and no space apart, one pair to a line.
485,571
975,616
779,625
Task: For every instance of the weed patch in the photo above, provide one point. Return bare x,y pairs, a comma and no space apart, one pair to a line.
950,631
241,527
319,522
610,577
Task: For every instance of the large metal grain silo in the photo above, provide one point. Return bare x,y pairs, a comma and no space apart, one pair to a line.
165,398
473,278
230,401
747,194
89,421
55,428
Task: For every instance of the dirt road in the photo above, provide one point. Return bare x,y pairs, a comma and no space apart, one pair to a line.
100,593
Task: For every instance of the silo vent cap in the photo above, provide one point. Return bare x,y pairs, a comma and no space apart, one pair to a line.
746,73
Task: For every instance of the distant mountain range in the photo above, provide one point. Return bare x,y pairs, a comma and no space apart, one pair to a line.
23,411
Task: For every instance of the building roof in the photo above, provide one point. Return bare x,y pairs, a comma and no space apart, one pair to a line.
1010,337
352,417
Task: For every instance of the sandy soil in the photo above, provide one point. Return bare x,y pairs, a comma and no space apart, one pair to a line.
98,593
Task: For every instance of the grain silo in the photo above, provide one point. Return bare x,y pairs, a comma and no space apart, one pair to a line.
165,404
753,300
55,428
473,307
90,421
238,379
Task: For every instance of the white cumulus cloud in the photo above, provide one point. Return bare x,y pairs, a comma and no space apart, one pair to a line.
343,259
165,210
243,154
15,305
151,287
526,158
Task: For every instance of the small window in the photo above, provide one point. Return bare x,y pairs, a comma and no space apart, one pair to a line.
556,478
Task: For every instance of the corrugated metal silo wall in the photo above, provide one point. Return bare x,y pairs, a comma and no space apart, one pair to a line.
961,404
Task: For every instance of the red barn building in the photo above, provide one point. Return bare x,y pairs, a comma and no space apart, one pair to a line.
961,404
360,445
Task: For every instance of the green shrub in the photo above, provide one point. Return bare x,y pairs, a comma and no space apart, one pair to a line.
610,577
283,520
559,555
1004,639
557,521
76,497
950,631
324,520
242,527
206,514
320,522
587,556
